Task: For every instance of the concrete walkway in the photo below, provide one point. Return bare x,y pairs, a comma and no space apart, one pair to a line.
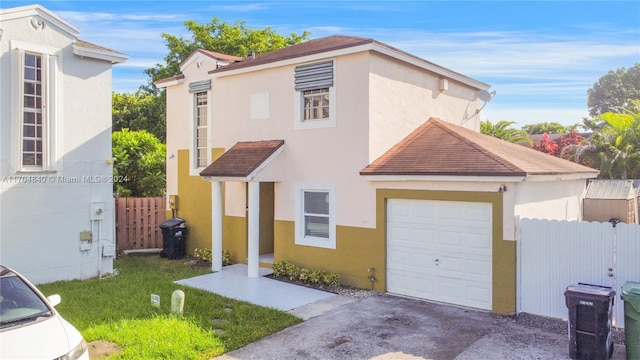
232,282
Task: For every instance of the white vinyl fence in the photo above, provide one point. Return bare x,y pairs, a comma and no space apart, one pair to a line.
555,254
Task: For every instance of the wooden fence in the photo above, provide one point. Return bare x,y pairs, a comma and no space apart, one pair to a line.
138,221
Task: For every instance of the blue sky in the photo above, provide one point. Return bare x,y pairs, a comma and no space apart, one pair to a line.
540,56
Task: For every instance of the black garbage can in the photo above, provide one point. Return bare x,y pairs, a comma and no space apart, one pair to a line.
174,232
590,311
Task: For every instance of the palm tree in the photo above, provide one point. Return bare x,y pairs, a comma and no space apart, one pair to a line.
503,130
615,149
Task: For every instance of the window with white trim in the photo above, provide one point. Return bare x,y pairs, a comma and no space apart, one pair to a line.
201,129
315,220
34,111
315,95
33,128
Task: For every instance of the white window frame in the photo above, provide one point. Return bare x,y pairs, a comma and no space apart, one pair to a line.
51,62
300,237
298,100
194,169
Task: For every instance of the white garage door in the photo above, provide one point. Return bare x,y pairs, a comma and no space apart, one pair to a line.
440,250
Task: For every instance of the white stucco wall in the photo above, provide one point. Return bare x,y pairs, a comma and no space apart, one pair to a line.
552,200
378,102
403,97
43,213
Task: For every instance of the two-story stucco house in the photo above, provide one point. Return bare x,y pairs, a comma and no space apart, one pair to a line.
56,192
348,155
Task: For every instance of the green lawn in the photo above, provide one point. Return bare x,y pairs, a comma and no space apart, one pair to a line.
119,310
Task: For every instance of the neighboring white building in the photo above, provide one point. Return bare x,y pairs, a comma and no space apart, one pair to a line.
56,192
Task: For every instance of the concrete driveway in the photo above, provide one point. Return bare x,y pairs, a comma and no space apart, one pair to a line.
389,327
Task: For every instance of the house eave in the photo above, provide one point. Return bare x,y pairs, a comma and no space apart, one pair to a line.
481,178
43,13
164,83
455,178
114,58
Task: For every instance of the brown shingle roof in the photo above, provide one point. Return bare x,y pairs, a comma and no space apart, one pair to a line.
242,159
441,148
310,47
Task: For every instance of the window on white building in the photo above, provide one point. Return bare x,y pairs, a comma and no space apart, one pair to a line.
201,129
200,148
315,220
34,95
315,95
33,126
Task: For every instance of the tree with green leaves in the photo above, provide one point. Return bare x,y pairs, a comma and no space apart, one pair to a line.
139,111
615,149
139,164
549,128
222,37
614,91
503,130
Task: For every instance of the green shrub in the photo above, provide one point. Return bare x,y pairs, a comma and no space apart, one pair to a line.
331,279
226,257
202,254
206,255
285,269
305,275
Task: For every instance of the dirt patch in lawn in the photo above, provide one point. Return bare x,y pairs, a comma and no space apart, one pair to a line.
101,349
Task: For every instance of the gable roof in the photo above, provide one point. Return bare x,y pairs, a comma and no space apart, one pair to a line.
41,17
441,148
243,159
348,44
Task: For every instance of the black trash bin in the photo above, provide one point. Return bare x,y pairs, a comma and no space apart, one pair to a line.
590,311
174,232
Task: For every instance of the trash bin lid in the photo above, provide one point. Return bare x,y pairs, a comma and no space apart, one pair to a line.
172,223
630,294
591,289
631,289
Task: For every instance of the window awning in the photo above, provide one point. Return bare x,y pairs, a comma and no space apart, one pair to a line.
243,161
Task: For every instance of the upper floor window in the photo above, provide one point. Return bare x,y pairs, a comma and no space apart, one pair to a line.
33,127
201,129
200,146
35,95
315,95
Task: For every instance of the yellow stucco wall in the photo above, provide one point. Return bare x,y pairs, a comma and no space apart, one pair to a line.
357,249
360,249
194,203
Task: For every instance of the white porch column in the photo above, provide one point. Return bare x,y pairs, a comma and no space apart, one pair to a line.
216,226
254,229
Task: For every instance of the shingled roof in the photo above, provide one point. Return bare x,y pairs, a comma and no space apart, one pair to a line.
441,148
340,42
242,159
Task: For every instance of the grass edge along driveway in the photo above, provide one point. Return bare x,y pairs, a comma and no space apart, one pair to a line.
118,309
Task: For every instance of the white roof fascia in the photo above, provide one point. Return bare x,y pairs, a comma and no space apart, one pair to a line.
562,177
165,84
361,48
499,179
113,57
38,10
224,178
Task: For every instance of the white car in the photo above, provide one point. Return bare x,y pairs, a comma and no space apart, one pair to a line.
30,328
